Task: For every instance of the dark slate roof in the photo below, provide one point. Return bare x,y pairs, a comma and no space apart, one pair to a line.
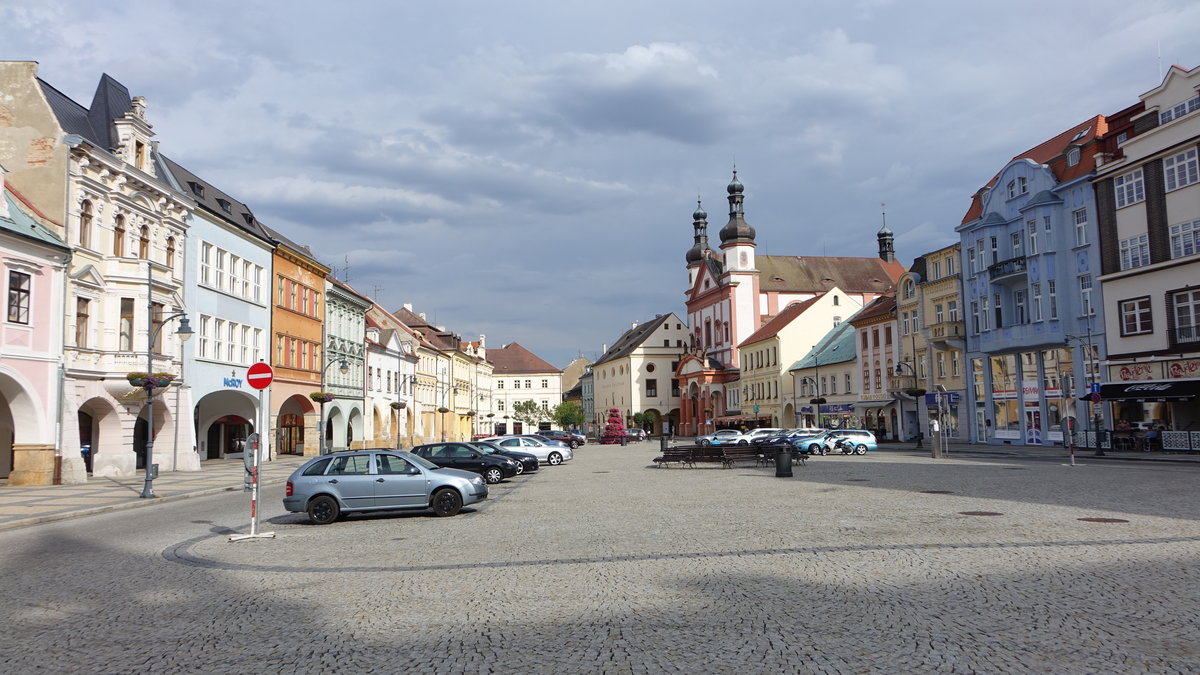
783,273
95,123
631,339
433,336
881,306
838,346
210,198
513,359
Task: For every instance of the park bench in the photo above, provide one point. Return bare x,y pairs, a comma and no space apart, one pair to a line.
677,455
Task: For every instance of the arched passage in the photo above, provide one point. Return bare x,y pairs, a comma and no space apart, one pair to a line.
354,429
163,422
223,421
296,414
100,431
16,403
335,427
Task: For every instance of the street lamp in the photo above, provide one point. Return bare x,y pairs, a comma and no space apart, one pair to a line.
1093,356
185,333
343,368
917,412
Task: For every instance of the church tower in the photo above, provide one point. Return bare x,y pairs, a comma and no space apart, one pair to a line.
887,252
700,248
737,237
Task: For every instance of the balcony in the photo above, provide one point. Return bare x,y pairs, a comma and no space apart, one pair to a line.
948,334
1008,270
897,383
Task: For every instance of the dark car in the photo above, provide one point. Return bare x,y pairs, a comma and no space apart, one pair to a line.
572,439
464,457
526,462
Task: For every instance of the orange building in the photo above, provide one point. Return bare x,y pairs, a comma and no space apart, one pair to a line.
297,323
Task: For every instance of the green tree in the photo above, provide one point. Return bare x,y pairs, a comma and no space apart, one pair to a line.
567,415
529,413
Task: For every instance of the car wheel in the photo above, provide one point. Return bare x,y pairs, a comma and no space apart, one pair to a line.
814,449
860,450
743,442
493,475
323,510
520,468
574,444
446,502
704,442
554,459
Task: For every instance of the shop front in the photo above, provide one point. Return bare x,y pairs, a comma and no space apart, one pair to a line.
1155,414
878,416
945,405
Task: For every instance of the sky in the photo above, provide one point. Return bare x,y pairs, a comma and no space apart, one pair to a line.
528,170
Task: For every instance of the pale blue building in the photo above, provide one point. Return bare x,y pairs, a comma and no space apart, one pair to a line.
1030,268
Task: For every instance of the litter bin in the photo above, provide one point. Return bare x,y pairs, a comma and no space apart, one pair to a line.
624,440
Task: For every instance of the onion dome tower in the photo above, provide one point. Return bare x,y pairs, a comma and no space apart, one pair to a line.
737,230
700,247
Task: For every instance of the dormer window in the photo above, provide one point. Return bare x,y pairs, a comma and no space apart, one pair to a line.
1072,156
1017,187
197,189
1174,113
224,204
139,154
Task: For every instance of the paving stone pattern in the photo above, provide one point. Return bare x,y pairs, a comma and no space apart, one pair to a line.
608,565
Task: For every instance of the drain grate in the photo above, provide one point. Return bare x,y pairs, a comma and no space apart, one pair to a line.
1103,520
599,472
858,480
936,492
1014,468
979,513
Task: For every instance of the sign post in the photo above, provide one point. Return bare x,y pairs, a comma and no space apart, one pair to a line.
258,376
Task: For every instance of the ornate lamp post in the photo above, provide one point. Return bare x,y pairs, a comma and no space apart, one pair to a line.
324,397
150,381
917,413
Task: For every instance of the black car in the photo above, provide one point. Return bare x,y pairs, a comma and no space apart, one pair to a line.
525,461
572,440
464,457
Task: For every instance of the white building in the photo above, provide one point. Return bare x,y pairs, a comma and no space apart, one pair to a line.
637,374
520,375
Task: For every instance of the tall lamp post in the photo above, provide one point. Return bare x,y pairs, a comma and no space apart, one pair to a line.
917,413
343,368
1093,405
184,332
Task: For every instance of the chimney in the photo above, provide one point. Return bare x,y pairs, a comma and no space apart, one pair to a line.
633,325
603,349
408,306
482,341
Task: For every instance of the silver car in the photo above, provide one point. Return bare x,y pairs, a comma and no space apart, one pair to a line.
545,452
378,480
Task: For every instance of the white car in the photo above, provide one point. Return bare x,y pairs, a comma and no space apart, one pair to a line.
735,437
545,452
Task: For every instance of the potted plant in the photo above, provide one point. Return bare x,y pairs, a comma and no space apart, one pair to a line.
321,396
443,410
150,380
915,392
399,405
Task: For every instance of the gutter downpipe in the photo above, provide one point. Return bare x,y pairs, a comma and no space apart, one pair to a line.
72,141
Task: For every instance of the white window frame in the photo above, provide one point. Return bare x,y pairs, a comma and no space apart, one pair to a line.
1085,295
1052,297
1134,251
1136,317
1181,170
1190,302
1033,232
1035,301
205,262
1130,188
1185,239
1081,223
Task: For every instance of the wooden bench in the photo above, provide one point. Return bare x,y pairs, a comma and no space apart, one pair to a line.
677,455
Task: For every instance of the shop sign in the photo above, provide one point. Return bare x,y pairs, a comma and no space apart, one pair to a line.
1135,371
948,398
1184,369
1030,390
234,382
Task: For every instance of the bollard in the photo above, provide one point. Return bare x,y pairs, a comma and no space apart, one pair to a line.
783,462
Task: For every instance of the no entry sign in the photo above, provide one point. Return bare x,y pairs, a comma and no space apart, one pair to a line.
260,375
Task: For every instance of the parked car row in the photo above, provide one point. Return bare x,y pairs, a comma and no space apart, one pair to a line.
845,441
572,439
442,477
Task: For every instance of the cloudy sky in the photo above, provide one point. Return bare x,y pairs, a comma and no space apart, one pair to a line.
528,170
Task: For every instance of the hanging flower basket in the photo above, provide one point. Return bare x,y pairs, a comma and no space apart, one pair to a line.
817,401
150,380
708,411
491,415
471,413
915,392
321,396
399,405
443,410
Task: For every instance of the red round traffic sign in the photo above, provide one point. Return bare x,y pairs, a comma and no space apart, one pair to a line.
1095,398
260,375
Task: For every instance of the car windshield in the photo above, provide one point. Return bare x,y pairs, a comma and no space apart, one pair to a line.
485,448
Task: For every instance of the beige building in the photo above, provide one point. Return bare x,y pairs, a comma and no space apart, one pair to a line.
932,343
1148,201
520,375
766,357
637,374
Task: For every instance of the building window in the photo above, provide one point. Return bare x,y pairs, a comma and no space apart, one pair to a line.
1072,156
1185,239
156,322
1135,251
984,315
119,237
904,323
1081,222
144,242
1052,298
652,388
849,385
125,328
171,252
545,384
1019,306
1175,112
500,405
909,289
1131,189
941,365
954,364
937,270
85,224
952,310
219,270
975,317
499,384
1016,244
937,313
995,255
1187,316
999,311
528,384
1017,187
950,266
1033,232
1085,295
1136,317
18,297
516,384
1035,295
545,404
139,155
82,309
205,262
971,269
1181,170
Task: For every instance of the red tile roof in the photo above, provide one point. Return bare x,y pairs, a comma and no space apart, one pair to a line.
880,307
771,328
1055,149
514,359
785,273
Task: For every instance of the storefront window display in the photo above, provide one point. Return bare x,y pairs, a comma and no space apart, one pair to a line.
1006,422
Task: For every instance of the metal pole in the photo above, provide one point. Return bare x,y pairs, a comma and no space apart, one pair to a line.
148,461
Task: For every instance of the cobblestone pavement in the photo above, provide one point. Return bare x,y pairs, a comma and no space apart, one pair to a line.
606,565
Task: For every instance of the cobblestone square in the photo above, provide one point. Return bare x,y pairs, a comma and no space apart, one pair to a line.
606,564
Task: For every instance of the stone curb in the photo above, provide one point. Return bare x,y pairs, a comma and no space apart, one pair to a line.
123,506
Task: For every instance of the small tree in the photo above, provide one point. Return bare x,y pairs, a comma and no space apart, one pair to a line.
567,415
614,428
529,413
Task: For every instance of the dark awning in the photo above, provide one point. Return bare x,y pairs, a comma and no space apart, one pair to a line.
1173,390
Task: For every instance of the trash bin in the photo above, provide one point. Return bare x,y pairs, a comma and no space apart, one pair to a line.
624,440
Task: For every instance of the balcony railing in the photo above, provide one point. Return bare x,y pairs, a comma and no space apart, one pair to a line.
901,382
1007,268
947,329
